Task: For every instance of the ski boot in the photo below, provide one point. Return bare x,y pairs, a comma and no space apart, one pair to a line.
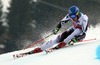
36,50
60,45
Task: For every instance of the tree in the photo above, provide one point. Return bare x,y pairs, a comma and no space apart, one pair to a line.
0,9
3,30
19,16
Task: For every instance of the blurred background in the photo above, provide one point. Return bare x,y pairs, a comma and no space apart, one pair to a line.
22,22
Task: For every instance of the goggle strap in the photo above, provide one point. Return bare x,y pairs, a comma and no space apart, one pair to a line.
77,13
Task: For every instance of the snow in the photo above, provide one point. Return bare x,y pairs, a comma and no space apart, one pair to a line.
5,5
79,54
83,53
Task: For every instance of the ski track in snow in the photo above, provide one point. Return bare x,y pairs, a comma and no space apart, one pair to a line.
83,53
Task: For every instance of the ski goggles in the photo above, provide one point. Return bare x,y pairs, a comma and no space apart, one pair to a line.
74,15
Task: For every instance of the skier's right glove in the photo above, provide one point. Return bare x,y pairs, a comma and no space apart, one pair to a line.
55,31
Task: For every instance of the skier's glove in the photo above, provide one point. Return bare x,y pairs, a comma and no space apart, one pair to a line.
55,31
84,33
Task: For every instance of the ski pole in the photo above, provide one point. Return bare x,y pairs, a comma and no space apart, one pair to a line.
38,41
88,40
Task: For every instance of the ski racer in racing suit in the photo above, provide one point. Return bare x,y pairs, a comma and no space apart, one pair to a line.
78,29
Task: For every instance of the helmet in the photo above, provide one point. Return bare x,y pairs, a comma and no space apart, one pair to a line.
73,11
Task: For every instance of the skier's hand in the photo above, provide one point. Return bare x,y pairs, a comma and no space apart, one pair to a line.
55,31
84,35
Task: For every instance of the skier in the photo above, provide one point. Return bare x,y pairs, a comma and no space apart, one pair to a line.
78,30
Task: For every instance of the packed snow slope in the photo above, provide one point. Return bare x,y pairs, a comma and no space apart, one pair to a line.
82,53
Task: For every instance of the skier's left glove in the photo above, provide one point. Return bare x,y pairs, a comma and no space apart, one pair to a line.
84,34
55,31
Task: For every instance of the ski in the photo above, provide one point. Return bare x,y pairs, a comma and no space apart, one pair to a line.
71,43
19,55
54,49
